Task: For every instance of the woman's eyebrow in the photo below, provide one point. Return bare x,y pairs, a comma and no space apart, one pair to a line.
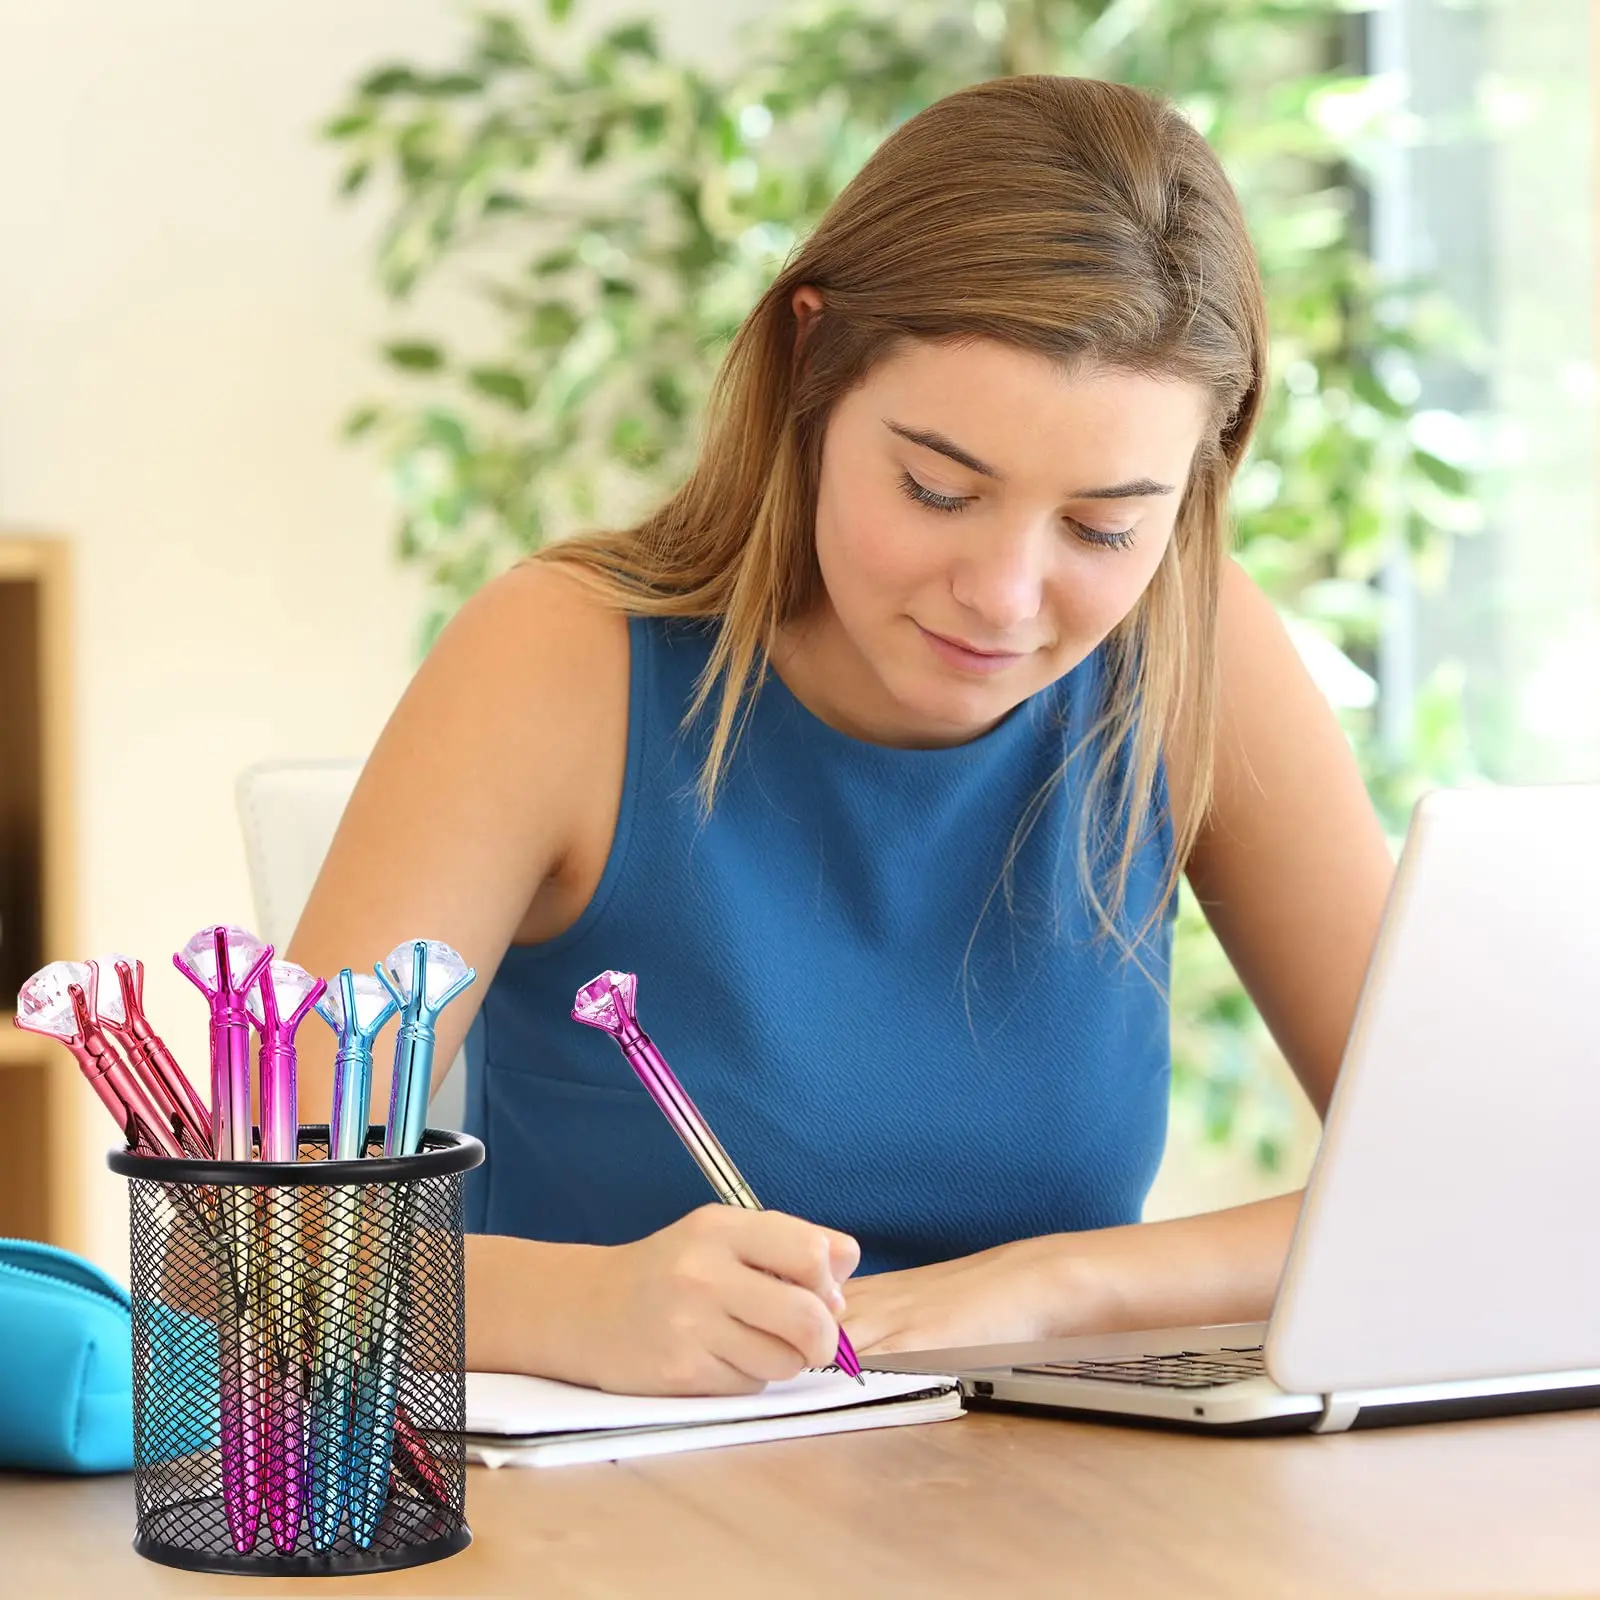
1133,489
929,440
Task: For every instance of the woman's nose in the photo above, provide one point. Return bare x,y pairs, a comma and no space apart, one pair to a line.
1001,581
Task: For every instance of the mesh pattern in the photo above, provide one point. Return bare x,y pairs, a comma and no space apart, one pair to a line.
299,1389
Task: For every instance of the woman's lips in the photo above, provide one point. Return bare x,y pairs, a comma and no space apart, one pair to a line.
965,658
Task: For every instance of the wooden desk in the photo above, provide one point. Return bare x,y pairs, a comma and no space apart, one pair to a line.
988,1505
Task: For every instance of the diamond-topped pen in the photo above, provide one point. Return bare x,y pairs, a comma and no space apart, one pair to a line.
60,1002
223,963
422,976
607,1003
119,1008
278,1003
356,1007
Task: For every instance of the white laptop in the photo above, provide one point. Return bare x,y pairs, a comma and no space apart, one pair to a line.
1446,1261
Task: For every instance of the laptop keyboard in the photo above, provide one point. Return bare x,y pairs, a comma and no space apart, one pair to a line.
1186,1369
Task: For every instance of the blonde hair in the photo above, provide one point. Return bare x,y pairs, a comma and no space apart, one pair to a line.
1081,220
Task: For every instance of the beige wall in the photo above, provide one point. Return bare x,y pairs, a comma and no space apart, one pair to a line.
185,315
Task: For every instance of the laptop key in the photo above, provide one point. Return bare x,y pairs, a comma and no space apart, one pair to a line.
1187,1369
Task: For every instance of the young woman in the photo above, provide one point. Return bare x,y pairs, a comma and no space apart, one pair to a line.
876,753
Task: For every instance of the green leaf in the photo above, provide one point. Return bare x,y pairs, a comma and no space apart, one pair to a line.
415,356
558,10
1446,475
500,383
554,261
361,421
455,85
355,175
1366,386
393,79
667,392
637,38
552,324
347,125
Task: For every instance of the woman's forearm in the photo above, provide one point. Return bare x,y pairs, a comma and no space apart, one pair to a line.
1222,1266
521,1306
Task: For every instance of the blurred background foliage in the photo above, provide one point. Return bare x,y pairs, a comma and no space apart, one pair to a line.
613,212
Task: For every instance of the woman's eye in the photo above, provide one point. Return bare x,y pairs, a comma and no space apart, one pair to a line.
1108,538
925,496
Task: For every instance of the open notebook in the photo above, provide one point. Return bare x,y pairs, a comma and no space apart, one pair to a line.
536,1422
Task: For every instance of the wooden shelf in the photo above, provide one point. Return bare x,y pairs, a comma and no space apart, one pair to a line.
39,1101
19,1049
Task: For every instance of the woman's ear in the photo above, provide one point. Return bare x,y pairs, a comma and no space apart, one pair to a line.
806,303
807,306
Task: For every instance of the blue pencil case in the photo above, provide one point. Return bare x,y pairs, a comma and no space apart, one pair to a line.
66,1361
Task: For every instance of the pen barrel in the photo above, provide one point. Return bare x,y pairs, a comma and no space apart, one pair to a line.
333,1369
143,1123
166,1083
284,1371
280,1103
352,1095
698,1139
164,1066
230,1079
409,1089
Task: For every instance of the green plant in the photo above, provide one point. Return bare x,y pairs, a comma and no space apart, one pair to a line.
618,211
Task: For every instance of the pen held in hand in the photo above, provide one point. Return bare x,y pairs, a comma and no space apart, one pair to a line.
607,1003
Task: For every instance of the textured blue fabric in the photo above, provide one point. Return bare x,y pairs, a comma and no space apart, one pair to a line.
929,1068
66,1365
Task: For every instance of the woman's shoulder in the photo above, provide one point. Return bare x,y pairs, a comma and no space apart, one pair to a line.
542,616
534,672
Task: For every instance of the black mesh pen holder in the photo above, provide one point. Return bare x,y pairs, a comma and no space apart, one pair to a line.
299,1358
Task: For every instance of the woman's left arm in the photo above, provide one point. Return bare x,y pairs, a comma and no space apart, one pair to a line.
1292,870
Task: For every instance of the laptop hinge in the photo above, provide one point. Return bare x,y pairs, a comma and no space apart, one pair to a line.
1338,1412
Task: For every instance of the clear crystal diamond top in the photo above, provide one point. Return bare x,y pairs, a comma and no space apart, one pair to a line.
108,1003
291,983
594,1004
43,1005
372,1000
244,950
444,968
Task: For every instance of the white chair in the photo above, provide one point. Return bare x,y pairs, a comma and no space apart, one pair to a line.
288,811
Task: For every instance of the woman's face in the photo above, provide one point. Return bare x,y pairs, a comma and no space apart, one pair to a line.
984,520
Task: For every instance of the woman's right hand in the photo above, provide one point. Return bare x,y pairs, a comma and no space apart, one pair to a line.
719,1302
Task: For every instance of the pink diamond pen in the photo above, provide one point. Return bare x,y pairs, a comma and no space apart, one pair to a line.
223,963
120,1011
607,1003
277,1005
58,1001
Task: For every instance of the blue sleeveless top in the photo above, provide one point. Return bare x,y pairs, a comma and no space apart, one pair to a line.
879,1040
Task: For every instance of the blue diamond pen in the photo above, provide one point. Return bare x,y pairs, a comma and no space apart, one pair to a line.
356,1008
422,976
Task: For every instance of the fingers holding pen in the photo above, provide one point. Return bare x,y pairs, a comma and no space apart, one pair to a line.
726,1299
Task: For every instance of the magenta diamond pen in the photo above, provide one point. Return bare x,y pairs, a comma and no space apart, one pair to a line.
607,1003
223,963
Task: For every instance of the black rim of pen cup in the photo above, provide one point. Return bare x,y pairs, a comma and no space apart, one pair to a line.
178,1473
